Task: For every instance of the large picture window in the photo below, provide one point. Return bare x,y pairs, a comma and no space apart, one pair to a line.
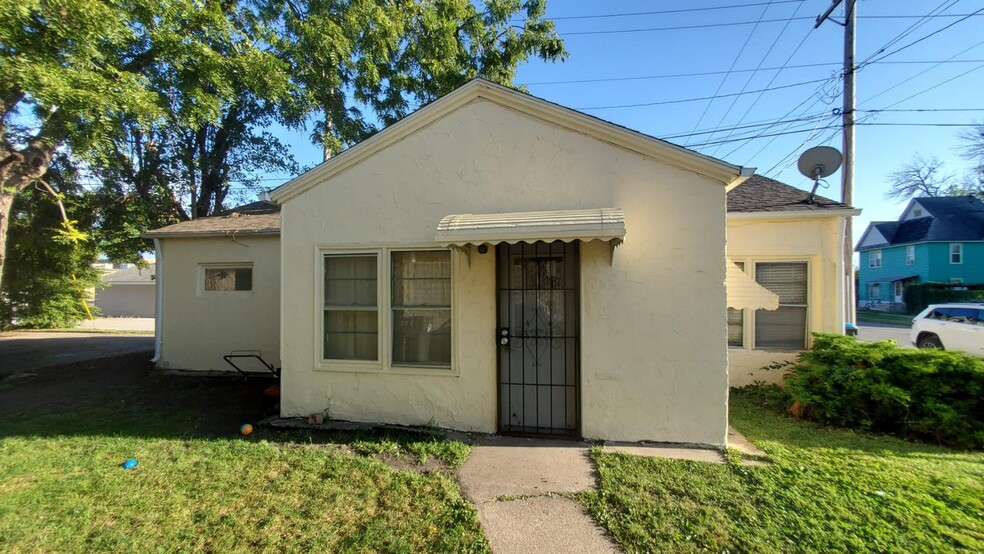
421,307
351,312
784,328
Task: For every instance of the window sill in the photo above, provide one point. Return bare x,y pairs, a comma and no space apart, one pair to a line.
379,370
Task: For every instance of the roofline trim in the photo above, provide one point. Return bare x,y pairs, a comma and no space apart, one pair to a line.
480,89
796,214
206,234
886,245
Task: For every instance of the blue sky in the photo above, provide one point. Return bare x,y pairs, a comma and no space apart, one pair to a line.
633,67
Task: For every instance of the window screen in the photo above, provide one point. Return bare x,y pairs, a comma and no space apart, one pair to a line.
786,327
956,253
421,302
228,279
351,315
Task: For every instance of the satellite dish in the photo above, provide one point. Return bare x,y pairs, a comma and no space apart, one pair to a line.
819,162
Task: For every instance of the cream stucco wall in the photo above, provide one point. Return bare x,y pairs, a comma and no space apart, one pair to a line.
816,241
196,327
653,341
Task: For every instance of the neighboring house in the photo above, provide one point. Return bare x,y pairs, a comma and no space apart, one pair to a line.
793,246
497,263
218,283
934,240
128,292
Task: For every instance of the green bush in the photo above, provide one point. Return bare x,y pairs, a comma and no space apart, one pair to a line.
930,395
918,297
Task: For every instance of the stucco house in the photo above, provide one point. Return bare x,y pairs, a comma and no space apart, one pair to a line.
937,240
128,292
498,263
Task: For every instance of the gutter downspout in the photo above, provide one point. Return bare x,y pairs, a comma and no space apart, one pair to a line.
159,312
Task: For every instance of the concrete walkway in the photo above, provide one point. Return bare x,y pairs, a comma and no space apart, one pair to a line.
511,482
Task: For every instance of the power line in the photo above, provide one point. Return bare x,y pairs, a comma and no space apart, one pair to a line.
748,70
925,110
770,123
684,100
740,23
761,62
682,10
923,72
733,63
942,7
935,86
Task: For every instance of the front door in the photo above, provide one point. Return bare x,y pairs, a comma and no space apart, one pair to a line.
538,335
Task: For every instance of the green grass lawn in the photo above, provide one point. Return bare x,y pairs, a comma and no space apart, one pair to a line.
872,316
826,490
62,489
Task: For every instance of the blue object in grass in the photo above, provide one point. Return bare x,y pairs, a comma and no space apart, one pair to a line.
130,464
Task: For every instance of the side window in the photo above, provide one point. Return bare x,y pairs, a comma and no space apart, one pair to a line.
962,315
228,279
939,313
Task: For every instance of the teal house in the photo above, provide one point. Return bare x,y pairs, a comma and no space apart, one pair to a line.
937,240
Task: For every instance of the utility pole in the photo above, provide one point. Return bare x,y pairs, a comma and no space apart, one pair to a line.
847,171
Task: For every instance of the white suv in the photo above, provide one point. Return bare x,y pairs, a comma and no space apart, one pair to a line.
950,326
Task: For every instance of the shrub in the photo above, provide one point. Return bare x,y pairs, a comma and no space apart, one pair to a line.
918,297
925,394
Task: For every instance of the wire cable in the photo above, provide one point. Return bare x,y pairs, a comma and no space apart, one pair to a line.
685,100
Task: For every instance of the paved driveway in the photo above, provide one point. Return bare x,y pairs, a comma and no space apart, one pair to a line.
868,332
30,352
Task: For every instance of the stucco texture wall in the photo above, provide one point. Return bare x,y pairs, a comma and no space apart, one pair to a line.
196,327
816,241
127,300
653,356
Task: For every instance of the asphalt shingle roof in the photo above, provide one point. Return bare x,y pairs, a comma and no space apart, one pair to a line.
950,218
761,194
256,218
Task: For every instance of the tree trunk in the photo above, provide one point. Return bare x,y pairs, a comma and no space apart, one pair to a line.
6,203
18,170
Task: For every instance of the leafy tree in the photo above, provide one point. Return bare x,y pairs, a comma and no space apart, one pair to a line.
73,73
50,255
360,65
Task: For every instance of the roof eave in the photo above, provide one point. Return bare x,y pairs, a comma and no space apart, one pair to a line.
206,234
798,214
671,154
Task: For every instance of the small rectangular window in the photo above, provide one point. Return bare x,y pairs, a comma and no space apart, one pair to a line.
956,253
874,291
736,328
421,303
910,255
875,258
228,279
785,327
736,322
351,315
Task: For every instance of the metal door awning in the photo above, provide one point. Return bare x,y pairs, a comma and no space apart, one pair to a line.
606,224
745,292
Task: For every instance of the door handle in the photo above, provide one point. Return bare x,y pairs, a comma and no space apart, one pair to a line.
504,336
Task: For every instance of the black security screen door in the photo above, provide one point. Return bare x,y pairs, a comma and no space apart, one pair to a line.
538,336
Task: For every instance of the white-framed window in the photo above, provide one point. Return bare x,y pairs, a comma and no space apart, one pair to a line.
386,309
874,291
351,307
875,258
786,327
225,278
910,254
736,322
956,253
421,307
